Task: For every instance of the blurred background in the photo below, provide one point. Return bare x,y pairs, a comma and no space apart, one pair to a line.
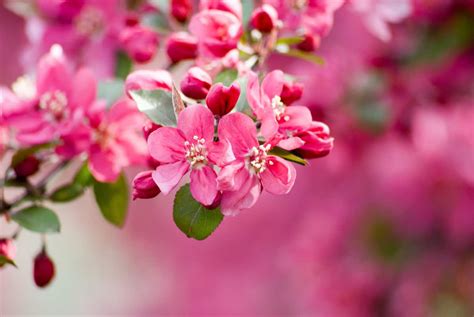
383,226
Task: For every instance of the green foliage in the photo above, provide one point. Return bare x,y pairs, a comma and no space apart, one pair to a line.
37,219
287,155
112,199
110,90
157,105
4,260
192,218
227,77
123,65
67,193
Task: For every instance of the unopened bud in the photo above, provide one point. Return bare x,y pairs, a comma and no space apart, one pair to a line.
181,10
181,46
264,18
292,91
27,167
144,187
43,269
221,99
196,83
139,42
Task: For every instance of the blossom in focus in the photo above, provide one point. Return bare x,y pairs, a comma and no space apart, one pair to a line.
117,139
189,146
221,99
254,168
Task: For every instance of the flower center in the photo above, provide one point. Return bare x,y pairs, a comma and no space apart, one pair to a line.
196,151
258,158
279,109
54,102
90,21
299,4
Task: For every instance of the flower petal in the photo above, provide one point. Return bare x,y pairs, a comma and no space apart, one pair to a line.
279,177
296,118
240,131
168,176
245,197
227,176
197,120
204,185
166,145
103,164
272,84
84,90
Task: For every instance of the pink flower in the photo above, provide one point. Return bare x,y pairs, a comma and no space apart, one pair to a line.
196,83
181,46
221,99
148,80
217,32
189,146
54,108
139,42
118,142
144,187
253,168
232,6
278,121
317,141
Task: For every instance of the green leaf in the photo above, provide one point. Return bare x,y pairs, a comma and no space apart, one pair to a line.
123,65
290,40
287,155
67,193
4,260
83,176
227,77
110,90
112,199
157,105
192,218
37,219
310,57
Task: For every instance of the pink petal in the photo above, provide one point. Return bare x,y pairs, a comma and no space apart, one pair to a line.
166,145
204,185
296,118
272,84
279,177
291,144
53,73
240,131
197,121
103,165
269,124
245,197
168,176
228,174
220,153
84,90
253,94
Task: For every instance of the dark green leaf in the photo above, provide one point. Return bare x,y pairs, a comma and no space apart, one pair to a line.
157,105
287,155
37,219
192,218
227,77
310,57
67,193
4,260
83,176
112,199
110,90
123,65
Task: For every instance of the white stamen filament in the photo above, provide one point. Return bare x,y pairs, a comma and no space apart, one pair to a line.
258,158
54,102
196,152
279,108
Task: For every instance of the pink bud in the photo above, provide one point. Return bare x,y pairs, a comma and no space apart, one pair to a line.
196,83
318,142
144,187
231,6
181,10
27,167
139,42
310,43
221,99
7,249
181,46
264,18
149,127
291,92
148,80
43,269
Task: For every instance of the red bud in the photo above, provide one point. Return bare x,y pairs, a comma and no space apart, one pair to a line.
43,269
181,10
264,18
181,46
221,99
7,249
144,187
196,83
27,167
291,92
139,42
310,43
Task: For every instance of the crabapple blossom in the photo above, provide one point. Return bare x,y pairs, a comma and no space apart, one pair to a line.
221,99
